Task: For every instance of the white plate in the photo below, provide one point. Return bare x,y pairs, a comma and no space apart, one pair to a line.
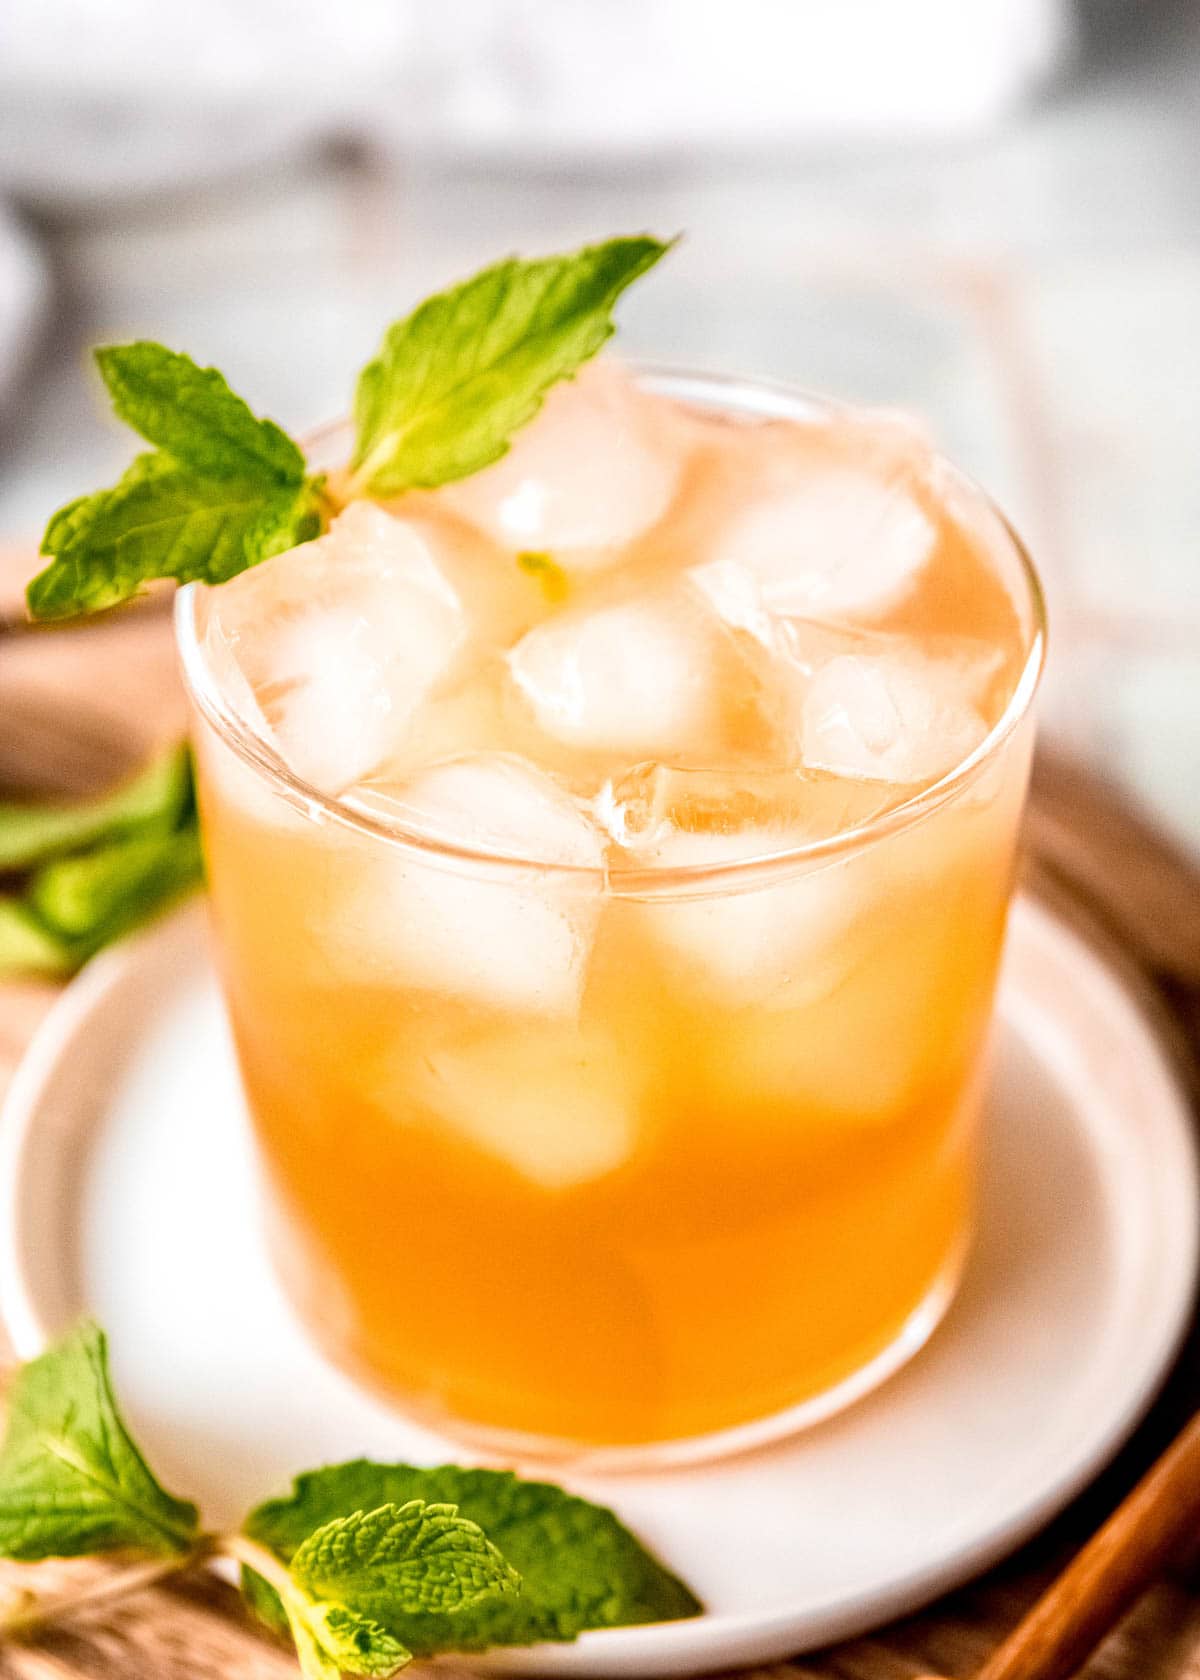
126,1189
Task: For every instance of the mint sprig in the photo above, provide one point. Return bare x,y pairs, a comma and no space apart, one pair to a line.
580,1566
84,872
223,489
363,1565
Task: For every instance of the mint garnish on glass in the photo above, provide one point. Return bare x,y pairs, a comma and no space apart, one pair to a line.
222,489
362,1565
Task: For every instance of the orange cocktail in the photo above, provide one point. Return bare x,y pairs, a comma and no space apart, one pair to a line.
610,858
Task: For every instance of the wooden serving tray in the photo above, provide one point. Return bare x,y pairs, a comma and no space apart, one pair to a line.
78,705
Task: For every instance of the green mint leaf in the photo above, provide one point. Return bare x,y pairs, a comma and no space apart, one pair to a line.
71,1479
95,898
191,413
357,1644
166,520
401,1560
223,490
546,571
32,832
316,1661
458,376
579,1566
29,949
331,1640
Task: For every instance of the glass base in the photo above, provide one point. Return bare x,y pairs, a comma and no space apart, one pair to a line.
515,1450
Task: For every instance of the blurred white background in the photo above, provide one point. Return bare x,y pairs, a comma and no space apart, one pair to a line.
986,210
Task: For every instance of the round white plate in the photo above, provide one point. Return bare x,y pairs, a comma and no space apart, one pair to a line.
127,1190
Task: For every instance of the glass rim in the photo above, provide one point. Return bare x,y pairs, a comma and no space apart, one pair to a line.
762,397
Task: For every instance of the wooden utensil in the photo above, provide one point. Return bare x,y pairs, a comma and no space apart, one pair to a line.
1111,1572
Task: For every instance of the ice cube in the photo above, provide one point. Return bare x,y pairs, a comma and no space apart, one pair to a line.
491,802
855,1054
503,597
895,716
340,640
772,810
594,469
737,942
837,541
230,680
508,938
894,1028
458,720
735,594
634,677
241,787
555,1104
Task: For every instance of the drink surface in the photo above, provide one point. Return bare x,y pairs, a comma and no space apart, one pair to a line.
596,1103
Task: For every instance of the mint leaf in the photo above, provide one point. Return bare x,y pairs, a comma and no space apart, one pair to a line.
331,1640
71,1479
191,413
94,899
458,376
579,1566
223,490
28,948
165,519
401,1560
33,832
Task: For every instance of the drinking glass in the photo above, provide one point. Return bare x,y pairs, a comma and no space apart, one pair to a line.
557,1192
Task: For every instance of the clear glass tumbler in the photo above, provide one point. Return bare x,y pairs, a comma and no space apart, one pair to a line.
742,1207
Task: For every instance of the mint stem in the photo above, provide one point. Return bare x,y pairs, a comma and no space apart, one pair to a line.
360,478
330,502
257,1557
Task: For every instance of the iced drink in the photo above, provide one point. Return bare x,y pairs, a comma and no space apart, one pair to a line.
610,856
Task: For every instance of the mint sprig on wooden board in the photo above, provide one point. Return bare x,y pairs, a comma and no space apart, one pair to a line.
356,1574
362,1565
223,489
580,1566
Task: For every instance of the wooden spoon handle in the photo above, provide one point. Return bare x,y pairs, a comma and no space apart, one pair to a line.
1110,1573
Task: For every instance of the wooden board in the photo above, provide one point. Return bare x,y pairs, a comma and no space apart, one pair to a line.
77,706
